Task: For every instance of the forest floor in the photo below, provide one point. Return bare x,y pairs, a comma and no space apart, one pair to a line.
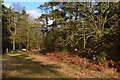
20,65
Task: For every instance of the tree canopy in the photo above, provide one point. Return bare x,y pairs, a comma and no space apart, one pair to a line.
86,28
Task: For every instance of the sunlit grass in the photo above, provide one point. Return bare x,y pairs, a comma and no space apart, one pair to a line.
22,66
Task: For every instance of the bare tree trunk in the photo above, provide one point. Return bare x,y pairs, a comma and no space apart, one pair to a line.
14,37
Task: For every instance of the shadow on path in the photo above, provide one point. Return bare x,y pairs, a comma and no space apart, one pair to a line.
19,67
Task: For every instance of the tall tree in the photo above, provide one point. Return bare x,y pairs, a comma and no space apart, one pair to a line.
7,27
23,29
83,25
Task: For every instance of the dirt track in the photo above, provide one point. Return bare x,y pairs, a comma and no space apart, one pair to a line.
36,66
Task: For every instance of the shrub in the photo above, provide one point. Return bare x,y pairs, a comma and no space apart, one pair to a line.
101,57
88,53
64,52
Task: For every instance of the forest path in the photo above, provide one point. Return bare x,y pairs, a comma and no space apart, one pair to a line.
24,66
37,66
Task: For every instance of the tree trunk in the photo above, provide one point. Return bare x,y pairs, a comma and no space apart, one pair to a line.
14,38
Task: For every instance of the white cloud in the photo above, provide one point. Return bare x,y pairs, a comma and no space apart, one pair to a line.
15,6
7,5
34,14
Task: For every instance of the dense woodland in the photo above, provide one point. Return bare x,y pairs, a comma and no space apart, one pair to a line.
83,28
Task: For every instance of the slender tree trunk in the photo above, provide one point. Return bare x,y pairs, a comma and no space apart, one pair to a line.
14,43
20,47
84,38
37,45
27,46
14,37
84,46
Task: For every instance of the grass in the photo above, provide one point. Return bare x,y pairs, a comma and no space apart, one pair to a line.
38,66
23,66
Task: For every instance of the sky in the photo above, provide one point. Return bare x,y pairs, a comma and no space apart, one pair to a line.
30,7
26,0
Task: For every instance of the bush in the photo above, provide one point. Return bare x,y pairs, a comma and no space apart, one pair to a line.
64,52
88,53
101,57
